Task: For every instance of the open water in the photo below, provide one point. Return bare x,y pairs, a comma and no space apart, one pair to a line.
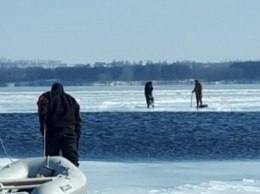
167,136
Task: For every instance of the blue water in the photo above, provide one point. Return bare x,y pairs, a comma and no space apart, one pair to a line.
168,136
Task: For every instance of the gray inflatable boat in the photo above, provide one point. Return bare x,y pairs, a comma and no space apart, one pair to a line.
42,175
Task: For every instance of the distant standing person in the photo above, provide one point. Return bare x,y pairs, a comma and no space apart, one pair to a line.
198,92
148,92
60,123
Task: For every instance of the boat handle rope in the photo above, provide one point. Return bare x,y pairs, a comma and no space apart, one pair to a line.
2,144
6,153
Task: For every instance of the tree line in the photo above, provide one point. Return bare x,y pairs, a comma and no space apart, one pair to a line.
125,71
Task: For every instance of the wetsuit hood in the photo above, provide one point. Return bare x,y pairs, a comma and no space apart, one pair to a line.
57,88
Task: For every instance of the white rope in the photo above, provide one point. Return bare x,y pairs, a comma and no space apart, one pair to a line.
5,150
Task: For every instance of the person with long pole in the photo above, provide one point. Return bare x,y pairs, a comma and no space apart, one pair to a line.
60,123
198,92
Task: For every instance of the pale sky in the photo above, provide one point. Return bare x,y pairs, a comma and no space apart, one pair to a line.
89,31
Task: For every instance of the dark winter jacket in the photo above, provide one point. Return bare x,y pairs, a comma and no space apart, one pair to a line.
148,90
198,89
57,109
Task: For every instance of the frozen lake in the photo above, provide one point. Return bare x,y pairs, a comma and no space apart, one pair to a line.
131,98
196,177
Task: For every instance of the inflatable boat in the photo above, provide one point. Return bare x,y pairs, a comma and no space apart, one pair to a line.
42,175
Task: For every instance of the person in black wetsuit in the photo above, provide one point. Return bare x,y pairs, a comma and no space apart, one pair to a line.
198,92
148,92
60,121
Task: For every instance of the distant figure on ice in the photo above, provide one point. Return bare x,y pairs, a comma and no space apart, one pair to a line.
198,92
148,92
60,123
